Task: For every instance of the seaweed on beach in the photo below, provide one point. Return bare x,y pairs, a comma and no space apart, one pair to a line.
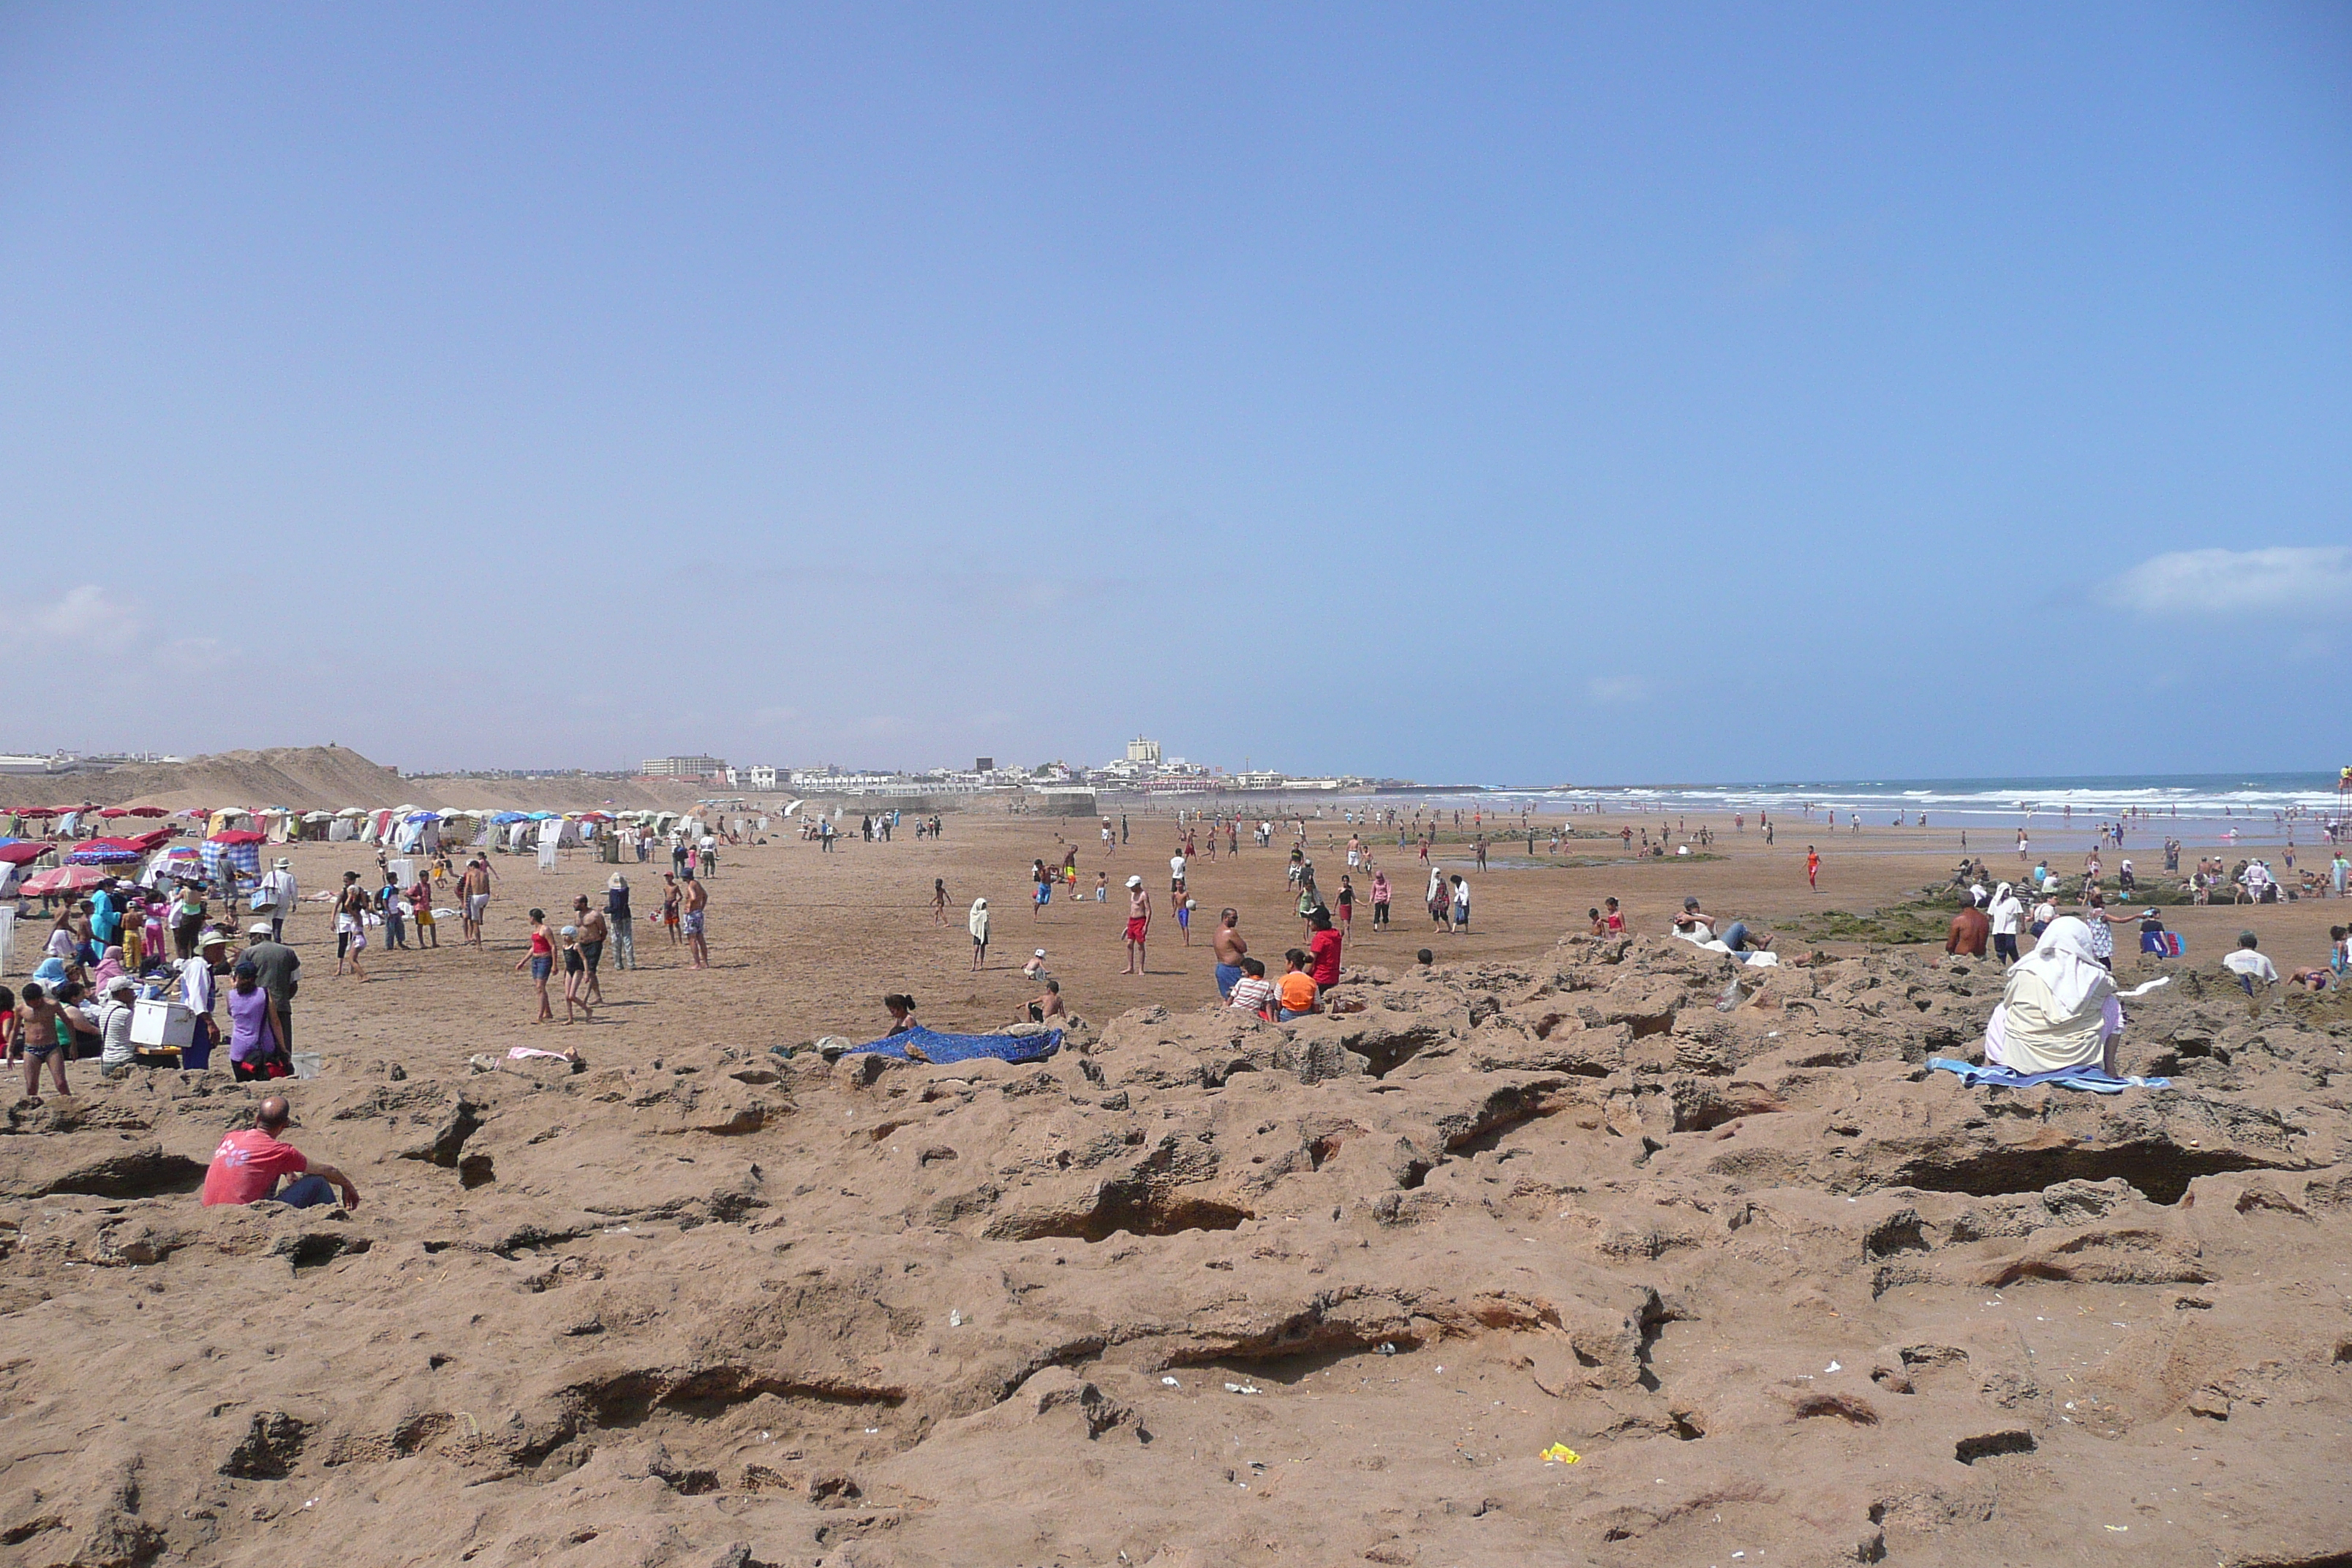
1926,915
1896,925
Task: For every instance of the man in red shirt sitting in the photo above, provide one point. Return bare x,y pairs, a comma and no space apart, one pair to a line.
247,1166
1323,941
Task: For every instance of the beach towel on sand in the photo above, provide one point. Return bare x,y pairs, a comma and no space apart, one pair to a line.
2090,1079
942,1047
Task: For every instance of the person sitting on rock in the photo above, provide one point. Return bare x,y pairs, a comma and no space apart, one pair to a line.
247,1165
1695,922
1970,929
1296,990
1252,992
1046,1007
2058,1009
2250,965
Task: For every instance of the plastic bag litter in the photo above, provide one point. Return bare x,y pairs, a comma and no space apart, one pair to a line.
1560,1454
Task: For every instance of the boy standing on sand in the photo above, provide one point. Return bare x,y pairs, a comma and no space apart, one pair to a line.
693,900
473,898
1139,923
420,905
1813,867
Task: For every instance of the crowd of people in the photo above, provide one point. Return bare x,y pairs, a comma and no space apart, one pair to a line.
239,979
174,939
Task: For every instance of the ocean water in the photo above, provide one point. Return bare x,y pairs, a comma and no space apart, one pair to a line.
2197,808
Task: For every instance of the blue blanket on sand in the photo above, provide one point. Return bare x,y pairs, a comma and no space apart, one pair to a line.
2092,1079
964,1047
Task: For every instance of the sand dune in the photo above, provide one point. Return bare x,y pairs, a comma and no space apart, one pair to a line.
325,778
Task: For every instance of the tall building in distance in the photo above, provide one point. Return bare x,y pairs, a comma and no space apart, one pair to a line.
1143,750
683,768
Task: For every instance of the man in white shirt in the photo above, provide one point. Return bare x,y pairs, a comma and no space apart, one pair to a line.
1176,873
274,897
2044,912
2249,965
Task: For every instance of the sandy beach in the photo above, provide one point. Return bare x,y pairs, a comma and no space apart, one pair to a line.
1200,1289
804,943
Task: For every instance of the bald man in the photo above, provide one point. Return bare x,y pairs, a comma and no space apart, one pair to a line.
247,1166
1231,948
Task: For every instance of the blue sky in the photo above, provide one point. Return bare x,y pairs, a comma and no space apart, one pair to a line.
1493,394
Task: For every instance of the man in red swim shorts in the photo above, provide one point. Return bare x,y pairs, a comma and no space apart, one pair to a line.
1139,923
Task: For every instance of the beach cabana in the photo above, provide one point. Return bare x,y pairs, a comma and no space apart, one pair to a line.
240,847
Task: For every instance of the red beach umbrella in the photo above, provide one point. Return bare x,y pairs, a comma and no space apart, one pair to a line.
66,880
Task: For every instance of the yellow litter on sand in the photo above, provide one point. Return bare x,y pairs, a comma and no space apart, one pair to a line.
1560,1454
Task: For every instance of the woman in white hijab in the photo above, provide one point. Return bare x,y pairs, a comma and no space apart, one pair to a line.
2059,1009
2008,916
978,923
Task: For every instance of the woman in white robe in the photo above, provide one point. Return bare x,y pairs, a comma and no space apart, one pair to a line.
2058,1008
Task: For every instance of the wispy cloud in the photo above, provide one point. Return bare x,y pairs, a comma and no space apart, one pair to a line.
78,615
2303,582
1617,688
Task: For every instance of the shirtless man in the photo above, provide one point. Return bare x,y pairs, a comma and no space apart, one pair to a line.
1231,949
693,897
593,930
473,898
38,1021
1139,923
1046,1008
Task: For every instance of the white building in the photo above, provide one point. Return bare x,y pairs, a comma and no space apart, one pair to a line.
684,768
1143,750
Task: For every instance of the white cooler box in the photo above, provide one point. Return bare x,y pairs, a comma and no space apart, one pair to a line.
163,1024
